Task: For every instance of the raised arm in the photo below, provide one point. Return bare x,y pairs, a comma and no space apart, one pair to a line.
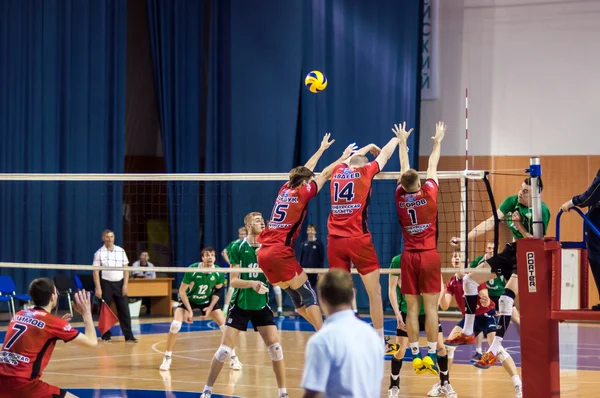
84,307
325,143
326,173
402,134
434,158
386,152
372,148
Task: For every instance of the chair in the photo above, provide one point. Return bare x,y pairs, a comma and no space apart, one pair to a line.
63,284
8,300
7,288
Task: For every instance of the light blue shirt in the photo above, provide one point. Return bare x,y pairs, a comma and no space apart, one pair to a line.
344,359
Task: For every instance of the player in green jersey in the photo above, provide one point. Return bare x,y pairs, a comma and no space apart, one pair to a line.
517,213
399,305
225,254
198,290
249,303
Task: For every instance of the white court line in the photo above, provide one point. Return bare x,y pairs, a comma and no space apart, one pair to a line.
92,376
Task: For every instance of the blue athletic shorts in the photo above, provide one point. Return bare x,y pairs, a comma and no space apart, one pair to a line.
485,323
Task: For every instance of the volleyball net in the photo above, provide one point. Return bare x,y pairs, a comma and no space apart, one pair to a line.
55,221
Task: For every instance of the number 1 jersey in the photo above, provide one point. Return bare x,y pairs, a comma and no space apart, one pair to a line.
417,212
350,197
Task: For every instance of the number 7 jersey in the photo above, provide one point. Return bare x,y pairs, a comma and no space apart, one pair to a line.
350,197
417,212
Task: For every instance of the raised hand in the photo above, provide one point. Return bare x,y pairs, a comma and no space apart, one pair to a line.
350,149
82,303
374,150
440,130
325,143
401,133
67,317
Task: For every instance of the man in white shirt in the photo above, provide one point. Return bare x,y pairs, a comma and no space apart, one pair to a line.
144,261
345,358
112,285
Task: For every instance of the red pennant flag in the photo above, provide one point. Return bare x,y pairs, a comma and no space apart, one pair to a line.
107,320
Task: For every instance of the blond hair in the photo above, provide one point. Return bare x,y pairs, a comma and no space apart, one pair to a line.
409,180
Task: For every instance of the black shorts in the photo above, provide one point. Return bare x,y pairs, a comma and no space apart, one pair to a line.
201,307
402,333
496,300
238,318
505,262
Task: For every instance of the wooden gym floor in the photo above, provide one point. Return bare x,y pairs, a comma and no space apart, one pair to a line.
131,370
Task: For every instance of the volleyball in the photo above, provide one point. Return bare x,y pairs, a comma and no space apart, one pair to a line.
315,81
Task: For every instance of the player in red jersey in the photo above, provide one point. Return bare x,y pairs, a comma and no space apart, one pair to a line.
276,256
421,275
30,340
348,236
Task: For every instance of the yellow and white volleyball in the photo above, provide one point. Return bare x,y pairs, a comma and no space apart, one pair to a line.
315,81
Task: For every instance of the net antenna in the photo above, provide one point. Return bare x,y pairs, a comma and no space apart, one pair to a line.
464,188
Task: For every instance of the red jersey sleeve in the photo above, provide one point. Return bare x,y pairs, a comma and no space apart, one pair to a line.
450,286
62,329
308,191
481,287
431,188
372,169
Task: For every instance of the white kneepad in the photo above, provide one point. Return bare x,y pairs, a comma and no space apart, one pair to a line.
277,290
505,305
503,355
275,352
223,352
450,350
175,326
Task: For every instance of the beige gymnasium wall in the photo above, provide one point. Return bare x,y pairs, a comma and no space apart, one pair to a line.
531,71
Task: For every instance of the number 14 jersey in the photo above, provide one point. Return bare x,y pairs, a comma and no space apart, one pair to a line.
417,212
350,197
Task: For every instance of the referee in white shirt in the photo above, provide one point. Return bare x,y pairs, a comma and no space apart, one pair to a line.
345,358
113,284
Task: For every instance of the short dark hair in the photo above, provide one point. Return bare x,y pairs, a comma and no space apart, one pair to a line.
313,226
298,175
335,287
409,179
107,231
527,181
41,291
207,249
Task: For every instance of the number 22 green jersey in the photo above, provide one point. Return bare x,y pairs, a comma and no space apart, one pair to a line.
244,254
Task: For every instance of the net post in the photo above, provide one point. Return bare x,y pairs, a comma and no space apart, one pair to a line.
540,364
535,172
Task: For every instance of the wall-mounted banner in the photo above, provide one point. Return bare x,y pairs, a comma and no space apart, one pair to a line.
430,76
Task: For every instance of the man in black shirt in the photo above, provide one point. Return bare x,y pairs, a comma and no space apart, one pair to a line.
590,199
312,253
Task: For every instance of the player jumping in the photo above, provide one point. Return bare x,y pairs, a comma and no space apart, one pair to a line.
198,291
421,275
348,236
516,211
398,301
276,256
249,303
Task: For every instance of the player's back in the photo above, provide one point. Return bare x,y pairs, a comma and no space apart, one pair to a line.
288,214
29,342
350,198
417,213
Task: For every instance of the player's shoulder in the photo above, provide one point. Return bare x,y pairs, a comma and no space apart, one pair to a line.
396,261
476,261
194,265
511,200
545,207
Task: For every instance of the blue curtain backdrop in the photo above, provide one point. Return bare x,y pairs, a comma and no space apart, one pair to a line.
62,96
231,96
